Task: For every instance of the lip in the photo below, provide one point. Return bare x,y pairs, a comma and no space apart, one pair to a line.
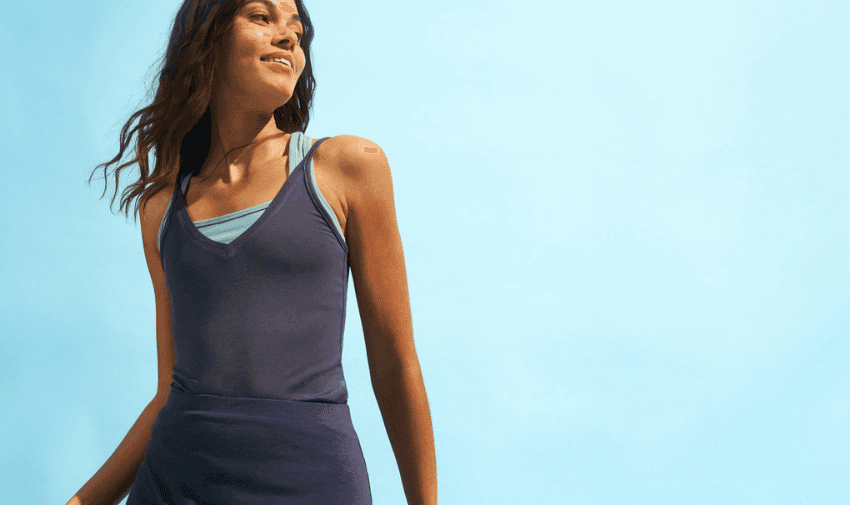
279,54
277,64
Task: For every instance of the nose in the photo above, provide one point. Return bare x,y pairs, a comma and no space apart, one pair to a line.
289,36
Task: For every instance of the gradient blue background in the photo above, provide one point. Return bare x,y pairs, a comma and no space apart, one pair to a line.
625,227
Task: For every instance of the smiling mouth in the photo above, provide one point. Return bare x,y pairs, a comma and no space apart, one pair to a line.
280,62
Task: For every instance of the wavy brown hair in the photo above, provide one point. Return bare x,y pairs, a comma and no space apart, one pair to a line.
177,124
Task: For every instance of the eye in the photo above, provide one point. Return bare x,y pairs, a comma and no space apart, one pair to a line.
300,35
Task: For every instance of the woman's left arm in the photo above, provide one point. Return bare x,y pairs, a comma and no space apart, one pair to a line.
380,282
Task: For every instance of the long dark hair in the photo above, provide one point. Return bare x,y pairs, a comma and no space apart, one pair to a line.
177,124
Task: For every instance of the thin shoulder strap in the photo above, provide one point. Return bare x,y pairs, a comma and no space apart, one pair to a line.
299,146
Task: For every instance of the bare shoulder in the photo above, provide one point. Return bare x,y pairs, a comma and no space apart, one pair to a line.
352,155
151,213
354,144
359,165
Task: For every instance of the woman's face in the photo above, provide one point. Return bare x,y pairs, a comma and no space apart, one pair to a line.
247,73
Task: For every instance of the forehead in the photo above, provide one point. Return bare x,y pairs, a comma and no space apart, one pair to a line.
282,6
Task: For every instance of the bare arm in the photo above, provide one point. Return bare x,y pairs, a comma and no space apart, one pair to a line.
111,483
380,282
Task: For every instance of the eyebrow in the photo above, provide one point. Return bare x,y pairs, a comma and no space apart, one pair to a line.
271,6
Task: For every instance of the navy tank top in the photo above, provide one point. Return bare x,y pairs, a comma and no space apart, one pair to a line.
262,314
229,226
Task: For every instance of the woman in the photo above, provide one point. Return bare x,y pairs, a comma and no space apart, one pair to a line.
249,228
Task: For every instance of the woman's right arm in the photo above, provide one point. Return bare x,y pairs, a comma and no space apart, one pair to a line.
112,482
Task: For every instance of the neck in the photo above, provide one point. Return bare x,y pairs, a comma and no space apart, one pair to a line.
239,142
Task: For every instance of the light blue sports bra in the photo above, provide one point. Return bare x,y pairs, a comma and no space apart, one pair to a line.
229,226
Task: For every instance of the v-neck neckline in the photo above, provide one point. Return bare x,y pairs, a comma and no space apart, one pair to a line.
230,247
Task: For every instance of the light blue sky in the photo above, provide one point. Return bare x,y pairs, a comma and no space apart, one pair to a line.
625,228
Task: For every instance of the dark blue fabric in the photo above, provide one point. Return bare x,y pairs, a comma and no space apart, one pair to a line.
224,450
258,406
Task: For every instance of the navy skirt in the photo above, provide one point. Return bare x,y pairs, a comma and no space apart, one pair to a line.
226,450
